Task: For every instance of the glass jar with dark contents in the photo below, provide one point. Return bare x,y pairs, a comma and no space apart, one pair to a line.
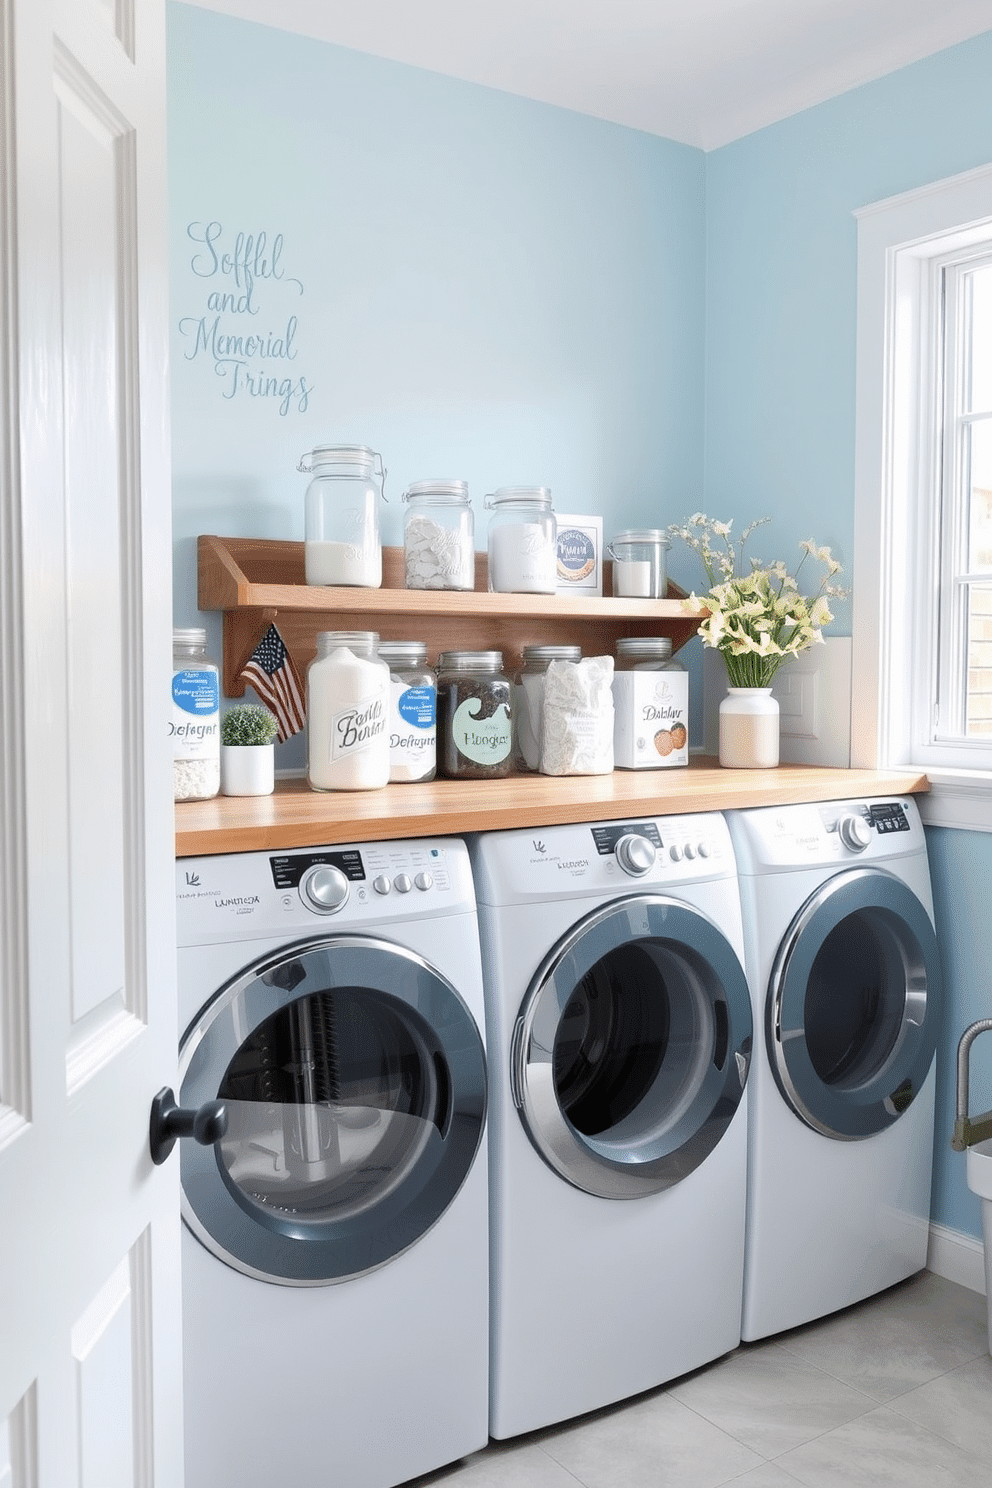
474,719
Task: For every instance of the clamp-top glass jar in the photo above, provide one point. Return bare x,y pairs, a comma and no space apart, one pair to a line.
522,541
342,543
439,536
639,566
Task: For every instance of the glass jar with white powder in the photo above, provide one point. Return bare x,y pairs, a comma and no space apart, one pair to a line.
523,556
439,536
347,713
412,711
639,563
195,726
342,544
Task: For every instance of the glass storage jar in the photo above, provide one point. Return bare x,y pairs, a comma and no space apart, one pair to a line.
640,563
522,541
341,529
528,701
412,711
195,726
651,705
474,715
347,710
439,536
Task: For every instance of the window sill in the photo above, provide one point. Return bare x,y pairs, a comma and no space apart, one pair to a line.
958,798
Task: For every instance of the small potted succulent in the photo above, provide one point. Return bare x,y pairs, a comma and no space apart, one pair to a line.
247,750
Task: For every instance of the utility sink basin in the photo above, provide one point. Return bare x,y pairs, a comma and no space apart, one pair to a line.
980,1183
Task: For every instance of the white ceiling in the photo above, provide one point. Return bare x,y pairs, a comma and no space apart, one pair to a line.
701,71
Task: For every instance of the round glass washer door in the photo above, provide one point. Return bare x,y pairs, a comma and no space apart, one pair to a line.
630,1054
853,1004
354,1077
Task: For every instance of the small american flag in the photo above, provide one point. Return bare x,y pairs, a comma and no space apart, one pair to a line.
271,672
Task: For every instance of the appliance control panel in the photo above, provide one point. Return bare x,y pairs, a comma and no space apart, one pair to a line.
831,832
888,816
607,837
603,857
288,869
249,895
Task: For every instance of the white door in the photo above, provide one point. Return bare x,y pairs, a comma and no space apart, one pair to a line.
90,1351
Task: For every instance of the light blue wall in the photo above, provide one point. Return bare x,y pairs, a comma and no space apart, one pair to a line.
492,289
781,261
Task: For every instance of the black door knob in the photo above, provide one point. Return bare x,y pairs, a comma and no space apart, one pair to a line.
206,1125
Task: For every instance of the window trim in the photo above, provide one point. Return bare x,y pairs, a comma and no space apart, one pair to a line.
898,240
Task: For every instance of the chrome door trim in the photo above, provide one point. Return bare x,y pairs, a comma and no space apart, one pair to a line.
631,1165
270,1246
860,1110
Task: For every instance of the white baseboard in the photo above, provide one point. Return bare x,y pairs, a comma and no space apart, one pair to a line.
957,1257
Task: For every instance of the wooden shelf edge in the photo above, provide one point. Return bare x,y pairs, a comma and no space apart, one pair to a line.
256,580
225,585
296,817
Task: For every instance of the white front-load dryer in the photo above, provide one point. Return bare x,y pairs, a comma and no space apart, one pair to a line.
619,1035
335,1245
843,965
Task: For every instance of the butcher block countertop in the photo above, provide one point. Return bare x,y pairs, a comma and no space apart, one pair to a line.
295,816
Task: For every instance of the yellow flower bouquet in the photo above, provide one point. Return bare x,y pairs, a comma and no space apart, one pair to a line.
756,619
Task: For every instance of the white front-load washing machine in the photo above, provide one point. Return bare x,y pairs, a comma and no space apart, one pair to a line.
619,1035
843,965
335,1246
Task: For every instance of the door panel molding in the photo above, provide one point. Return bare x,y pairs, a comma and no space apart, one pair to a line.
15,1070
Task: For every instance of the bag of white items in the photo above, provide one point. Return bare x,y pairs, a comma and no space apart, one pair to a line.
578,717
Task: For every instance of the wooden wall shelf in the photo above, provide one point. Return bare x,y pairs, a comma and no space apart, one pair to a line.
297,817
255,581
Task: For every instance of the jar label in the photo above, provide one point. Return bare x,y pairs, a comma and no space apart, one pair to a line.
412,732
196,691
576,555
195,724
358,727
416,706
486,741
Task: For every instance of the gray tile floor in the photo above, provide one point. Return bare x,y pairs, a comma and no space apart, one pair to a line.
897,1390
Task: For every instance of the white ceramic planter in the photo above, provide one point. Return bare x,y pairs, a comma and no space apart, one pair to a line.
749,729
247,769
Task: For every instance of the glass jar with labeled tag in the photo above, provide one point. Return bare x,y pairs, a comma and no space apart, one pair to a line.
474,716
528,701
523,556
195,726
341,532
412,711
347,713
651,705
439,536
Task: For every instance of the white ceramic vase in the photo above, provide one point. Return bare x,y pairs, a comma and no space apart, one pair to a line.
247,769
749,729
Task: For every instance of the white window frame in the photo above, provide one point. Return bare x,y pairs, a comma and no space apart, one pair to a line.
900,244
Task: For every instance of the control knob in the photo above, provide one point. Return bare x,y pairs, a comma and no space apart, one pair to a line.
324,888
854,832
635,854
